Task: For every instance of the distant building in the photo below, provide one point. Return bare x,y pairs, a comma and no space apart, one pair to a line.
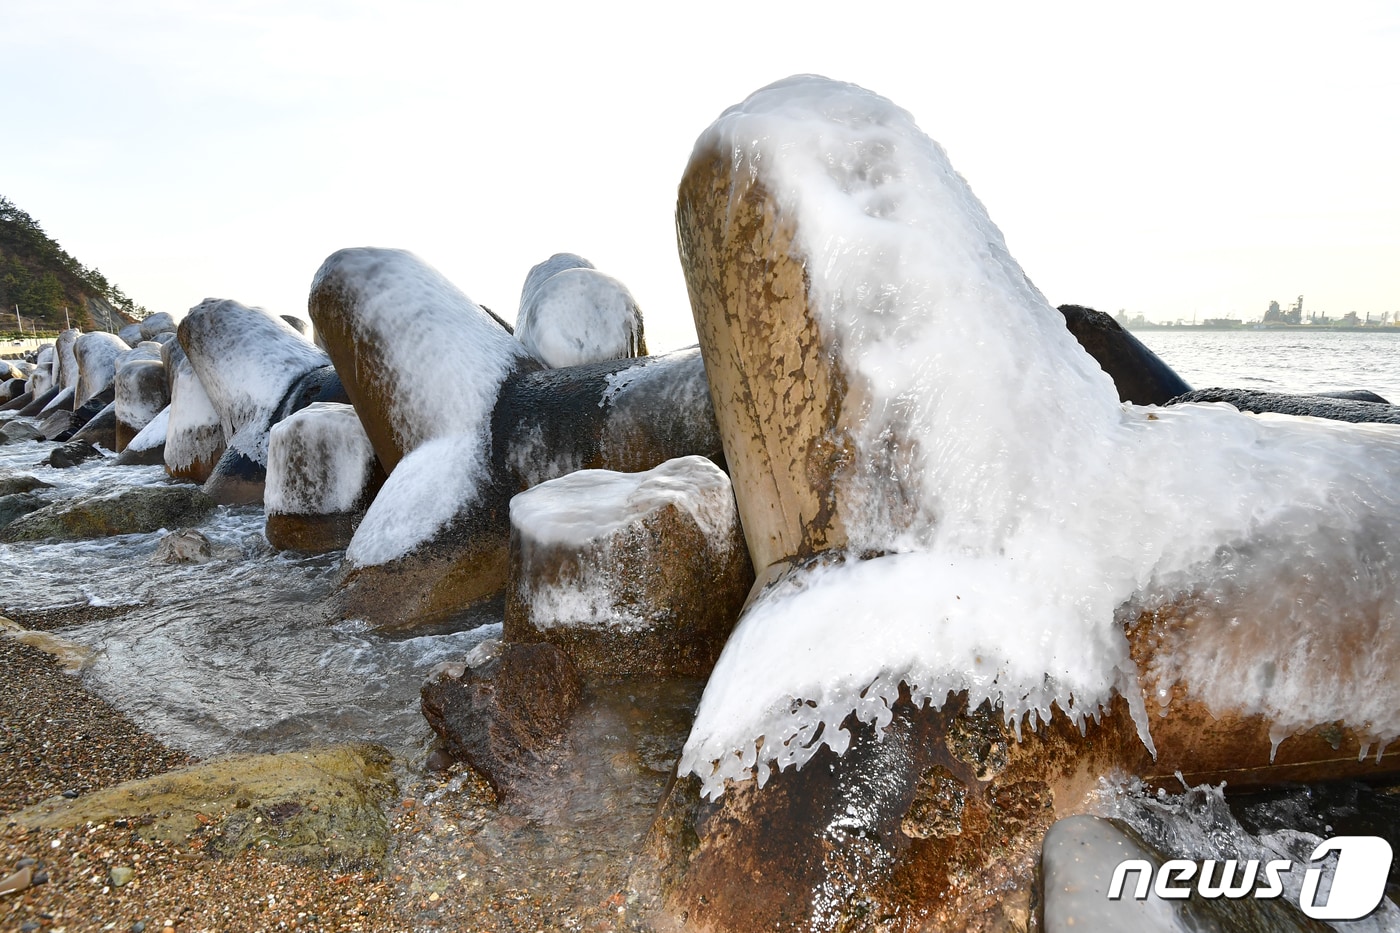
1276,315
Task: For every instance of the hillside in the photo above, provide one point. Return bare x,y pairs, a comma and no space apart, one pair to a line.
42,279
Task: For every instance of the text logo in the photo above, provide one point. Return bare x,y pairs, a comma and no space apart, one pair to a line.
1358,880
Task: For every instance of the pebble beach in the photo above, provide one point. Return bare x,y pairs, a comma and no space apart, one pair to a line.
444,870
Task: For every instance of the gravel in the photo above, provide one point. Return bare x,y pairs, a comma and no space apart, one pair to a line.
457,862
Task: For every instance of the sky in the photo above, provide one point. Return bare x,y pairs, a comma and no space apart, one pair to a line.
1175,160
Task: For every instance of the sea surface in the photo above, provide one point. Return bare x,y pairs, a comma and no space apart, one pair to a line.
1288,361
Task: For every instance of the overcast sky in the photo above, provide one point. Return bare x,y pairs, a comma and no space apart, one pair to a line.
1179,159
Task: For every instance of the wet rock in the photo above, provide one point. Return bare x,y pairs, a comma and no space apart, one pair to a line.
321,476
11,390
629,573
899,830
1315,406
42,393
63,401
194,436
17,504
247,361
19,432
56,423
141,393
71,656
11,483
1139,374
135,510
578,316
16,882
505,716
18,402
100,429
1357,395
187,546
87,411
71,454
96,354
324,806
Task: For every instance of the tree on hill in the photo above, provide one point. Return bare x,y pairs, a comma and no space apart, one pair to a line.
41,278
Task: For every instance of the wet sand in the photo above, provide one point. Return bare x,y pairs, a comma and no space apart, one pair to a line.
458,861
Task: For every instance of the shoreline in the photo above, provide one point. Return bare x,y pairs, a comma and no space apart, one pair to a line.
454,860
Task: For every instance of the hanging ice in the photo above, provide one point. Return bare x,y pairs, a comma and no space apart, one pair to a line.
1017,512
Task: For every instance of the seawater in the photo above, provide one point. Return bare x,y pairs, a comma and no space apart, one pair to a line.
237,654
1288,361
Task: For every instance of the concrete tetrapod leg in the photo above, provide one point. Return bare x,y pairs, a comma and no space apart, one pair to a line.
902,831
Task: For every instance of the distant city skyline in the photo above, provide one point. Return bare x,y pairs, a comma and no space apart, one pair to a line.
1178,161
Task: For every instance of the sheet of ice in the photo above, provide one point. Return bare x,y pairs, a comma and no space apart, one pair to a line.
42,378
192,415
319,460
540,272
423,493
580,316
443,360
1019,506
64,399
583,507
153,434
247,360
140,395
97,362
67,361
584,511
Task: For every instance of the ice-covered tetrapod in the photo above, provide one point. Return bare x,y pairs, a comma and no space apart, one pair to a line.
943,489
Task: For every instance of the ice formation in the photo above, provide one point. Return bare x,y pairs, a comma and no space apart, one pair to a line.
153,434
583,510
582,507
247,359
97,357
194,434
441,361
319,461
66,361
540,272
442,358
142,391
580,316
42,379
424,492
1022,514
